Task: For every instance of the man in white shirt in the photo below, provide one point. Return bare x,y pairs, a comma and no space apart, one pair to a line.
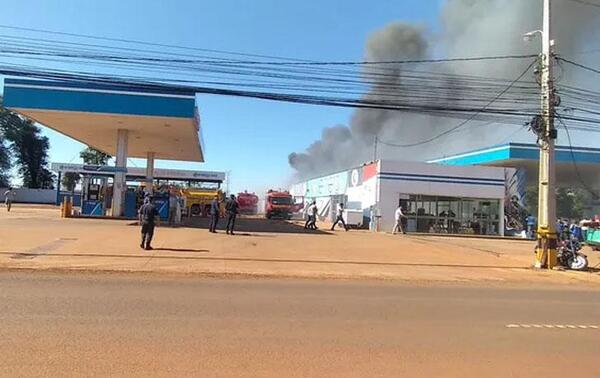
340,217
313,211
9,197
398,215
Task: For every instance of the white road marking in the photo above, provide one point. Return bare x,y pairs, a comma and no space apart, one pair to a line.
560,326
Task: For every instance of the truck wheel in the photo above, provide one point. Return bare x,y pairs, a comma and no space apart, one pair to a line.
195,210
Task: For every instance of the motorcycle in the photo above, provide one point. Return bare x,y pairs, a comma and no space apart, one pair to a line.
568,253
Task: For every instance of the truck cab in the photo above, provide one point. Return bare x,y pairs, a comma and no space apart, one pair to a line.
279,204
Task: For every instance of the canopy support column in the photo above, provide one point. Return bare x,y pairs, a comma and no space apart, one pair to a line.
149,172
120,173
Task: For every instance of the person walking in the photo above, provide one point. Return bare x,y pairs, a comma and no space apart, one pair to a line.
398,215
231,208
149,217
9,197
340,217
314,212
307,215
214,215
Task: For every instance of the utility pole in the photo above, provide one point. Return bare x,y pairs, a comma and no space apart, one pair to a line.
546,232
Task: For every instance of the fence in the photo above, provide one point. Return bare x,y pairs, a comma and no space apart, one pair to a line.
26,195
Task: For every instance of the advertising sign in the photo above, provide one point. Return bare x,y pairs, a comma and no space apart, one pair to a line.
159,173
327,186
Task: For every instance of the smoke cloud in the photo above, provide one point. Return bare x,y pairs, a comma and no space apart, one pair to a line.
467,28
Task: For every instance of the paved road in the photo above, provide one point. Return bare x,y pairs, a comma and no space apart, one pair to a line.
77,324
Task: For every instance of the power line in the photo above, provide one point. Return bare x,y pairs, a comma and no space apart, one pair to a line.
419,91
468,119
579,65
291,61
124,40
574,161
584,2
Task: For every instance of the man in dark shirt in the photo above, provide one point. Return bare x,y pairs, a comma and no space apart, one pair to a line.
232,210
214,215
148,217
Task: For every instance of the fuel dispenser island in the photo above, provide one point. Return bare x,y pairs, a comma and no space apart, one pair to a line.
134,198
94,196
161,201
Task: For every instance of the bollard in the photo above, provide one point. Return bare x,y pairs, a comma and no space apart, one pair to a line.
63,207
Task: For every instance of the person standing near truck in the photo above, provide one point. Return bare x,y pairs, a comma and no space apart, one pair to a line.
231,208
214,215
9,197
148,216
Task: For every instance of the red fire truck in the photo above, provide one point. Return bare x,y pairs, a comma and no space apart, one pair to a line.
279,204
248,203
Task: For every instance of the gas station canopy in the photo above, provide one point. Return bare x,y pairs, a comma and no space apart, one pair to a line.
160,121
124,120
573,164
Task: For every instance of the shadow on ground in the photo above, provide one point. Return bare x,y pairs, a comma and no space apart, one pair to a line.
246,226
181,250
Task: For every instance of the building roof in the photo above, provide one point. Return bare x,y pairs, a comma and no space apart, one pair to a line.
159,120
574,165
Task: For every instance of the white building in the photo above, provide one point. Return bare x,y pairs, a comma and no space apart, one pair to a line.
435,198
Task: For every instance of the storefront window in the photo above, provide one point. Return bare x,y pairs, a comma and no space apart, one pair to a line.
438,214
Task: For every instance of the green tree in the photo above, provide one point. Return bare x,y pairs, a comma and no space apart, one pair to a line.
70,180
29,149
570,202
4,162
93,156
4,152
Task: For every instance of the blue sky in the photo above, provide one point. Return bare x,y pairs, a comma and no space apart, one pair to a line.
251,138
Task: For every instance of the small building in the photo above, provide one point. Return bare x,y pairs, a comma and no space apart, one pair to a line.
436,198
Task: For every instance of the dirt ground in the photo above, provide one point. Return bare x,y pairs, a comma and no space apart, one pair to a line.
34,237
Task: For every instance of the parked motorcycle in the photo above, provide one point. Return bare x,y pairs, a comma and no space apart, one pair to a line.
569,254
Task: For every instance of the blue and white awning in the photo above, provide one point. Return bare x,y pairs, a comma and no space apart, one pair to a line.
160,120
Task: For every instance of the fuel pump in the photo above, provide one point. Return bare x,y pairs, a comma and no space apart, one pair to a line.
94,188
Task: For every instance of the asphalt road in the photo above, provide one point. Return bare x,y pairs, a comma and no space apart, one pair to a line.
132,325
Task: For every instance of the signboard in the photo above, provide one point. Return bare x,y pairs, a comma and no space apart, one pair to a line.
327,186
178,174
81,168
159,173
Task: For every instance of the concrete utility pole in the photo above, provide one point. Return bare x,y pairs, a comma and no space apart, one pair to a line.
546,232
